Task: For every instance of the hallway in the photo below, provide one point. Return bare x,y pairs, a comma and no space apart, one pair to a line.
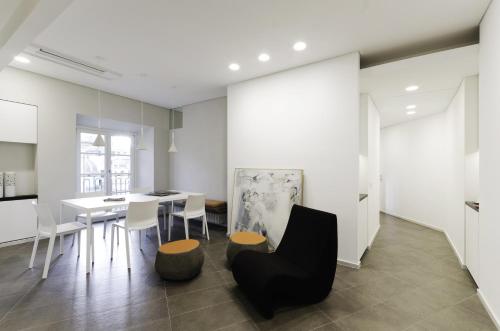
409,280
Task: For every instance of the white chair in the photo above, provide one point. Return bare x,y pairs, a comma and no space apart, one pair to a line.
98,216
161,206
141,215
194,208
47,227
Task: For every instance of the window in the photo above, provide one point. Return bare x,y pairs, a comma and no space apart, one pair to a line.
107,169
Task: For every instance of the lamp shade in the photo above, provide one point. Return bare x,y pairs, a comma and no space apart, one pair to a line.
172,148
99,141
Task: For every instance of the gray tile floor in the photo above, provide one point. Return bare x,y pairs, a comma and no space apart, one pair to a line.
410,280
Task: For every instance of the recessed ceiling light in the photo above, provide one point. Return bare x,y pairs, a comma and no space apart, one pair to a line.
299,46
264,57
234,67
411,112
411,107
412,88
22,59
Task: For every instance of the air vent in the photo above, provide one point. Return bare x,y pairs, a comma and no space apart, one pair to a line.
71,62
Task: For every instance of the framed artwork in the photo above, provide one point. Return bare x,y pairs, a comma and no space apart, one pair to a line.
262,200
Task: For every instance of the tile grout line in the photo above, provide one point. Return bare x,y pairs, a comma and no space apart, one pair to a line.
168,308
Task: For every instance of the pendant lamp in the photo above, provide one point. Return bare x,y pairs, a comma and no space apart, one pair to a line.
99,140
173,148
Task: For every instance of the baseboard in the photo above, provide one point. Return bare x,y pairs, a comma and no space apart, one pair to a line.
17,242
415,222
488,309
462,264
354,265
373,238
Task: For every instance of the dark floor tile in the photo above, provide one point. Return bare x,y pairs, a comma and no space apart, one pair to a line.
240,326
210,318
294,320
342,303
380,317
182,303
455,318
203,281
474,304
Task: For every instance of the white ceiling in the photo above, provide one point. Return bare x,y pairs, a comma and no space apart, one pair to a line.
438,75
184,47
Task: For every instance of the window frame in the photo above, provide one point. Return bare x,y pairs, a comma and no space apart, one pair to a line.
107,155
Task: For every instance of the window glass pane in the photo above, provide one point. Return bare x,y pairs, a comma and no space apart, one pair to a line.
120,164
86,141
121,145
92,164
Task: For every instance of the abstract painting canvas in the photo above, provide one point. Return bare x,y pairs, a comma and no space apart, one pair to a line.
262,200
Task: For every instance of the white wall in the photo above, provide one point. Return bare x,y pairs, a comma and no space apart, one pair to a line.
304,118
373,170
413,168
489,179
58,103
454,172
19,158
200,165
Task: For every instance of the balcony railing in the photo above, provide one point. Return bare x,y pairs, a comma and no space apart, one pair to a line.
120,183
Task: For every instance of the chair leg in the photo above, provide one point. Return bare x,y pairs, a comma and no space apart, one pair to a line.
205,225
79,241
112,239
93,245
61,244
164,217
169,227
73,241
49,255
35,247
186,227
127,245
159,237
104,232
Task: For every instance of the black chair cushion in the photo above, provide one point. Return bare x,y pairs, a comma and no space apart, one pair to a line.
302,269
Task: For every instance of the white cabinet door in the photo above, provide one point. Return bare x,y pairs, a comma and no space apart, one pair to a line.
362,226
17,220
18,122
472,242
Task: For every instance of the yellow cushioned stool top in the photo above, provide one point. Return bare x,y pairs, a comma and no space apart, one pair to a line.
179,246
247,238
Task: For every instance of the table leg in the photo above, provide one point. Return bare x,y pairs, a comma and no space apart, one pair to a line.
89,240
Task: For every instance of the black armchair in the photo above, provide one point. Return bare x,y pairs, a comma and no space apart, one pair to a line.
302,269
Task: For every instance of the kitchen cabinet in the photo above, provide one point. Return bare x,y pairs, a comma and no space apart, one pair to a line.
18,122
18,220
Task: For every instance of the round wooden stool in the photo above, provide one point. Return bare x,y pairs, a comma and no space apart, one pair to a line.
241,241
179,260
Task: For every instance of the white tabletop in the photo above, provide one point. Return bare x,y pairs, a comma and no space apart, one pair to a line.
97,203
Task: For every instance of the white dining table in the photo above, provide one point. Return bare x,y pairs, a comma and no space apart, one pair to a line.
94,204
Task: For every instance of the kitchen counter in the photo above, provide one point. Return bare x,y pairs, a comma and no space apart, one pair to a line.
473,205
19,197
362,196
